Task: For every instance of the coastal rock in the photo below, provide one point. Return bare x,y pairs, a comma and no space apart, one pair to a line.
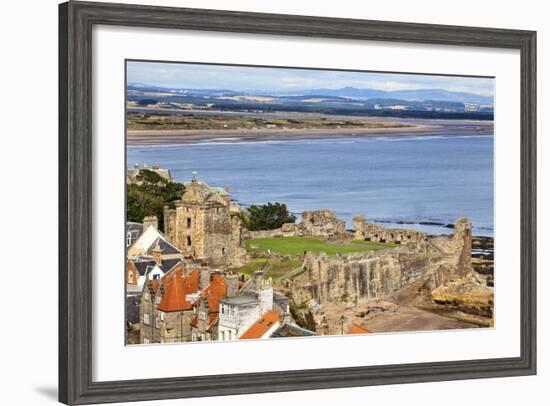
466,295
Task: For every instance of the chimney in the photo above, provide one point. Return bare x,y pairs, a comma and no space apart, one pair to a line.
232,284
150,221
157,253
204,277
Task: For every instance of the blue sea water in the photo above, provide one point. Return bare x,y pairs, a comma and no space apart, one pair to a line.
391,179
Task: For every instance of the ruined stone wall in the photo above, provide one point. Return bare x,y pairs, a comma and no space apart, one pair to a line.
366,231
319,223
287,230
375,275
347,278
322,223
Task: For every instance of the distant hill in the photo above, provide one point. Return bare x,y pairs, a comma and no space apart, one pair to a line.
409,95
430,103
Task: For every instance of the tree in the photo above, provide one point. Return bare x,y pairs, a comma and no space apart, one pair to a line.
149,195
146,102
268,216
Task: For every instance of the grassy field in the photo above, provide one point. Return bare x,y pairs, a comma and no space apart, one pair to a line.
181,122
273,268
299,245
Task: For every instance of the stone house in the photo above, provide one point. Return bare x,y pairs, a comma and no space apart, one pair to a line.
166,307
202,226
240,312
184,305
194,303
204,326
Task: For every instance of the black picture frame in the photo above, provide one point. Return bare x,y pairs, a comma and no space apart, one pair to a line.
76,20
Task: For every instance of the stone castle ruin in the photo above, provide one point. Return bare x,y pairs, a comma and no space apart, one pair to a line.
318,223
202,227
375,275
374,232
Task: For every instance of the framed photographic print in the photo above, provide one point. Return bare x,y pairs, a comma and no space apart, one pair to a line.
304,202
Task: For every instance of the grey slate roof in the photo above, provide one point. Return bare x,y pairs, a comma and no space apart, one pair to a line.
240,300
135,230
165,247
290,330
168,264
144,264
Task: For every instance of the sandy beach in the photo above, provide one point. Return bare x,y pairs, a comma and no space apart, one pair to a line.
180,137
175,137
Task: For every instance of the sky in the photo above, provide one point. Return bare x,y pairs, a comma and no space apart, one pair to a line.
238,78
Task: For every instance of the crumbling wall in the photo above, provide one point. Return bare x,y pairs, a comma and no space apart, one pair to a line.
378,274
367,231
318,223
346,278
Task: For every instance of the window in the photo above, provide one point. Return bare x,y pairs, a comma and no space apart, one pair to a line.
188,222
161,316
146,318
156,322
188,241
223,309
229,334
223,250
145,340
157,300
223,335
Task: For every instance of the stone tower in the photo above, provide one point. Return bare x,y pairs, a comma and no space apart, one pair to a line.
462,239
201,225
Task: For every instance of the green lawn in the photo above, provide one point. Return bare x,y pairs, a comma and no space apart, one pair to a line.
298,245
273,268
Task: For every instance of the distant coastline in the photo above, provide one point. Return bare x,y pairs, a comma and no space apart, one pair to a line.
182,137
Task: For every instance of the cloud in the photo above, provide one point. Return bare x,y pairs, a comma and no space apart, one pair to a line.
244,78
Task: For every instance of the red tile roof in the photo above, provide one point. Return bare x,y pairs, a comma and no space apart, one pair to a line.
176,289
216,291
212,321
258,329
357,329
